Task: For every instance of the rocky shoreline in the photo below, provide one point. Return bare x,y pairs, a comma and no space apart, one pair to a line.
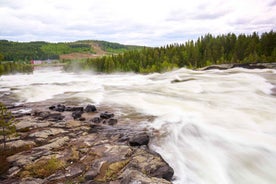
239,65
74,144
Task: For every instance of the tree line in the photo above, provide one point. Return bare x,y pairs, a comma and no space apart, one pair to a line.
206,50
39,50
15,67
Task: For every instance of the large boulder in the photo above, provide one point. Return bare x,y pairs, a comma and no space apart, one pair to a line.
151,163
139,139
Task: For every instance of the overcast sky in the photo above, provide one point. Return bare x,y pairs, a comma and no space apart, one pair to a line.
139,22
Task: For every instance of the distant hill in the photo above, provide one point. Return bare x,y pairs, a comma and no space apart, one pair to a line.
40,50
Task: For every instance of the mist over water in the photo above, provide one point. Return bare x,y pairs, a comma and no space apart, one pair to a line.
216,127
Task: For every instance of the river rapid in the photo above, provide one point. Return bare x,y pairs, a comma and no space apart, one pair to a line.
215,127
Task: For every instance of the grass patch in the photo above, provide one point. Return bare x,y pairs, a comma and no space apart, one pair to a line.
43,168
110,172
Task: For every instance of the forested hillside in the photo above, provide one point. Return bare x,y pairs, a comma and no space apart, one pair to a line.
205,51
25,51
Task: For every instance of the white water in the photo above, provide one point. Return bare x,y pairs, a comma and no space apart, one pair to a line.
219,127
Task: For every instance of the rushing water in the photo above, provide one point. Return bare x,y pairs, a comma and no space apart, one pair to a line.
216,127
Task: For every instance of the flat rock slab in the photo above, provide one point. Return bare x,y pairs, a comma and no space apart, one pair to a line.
30,123
20,143
59,142
44,134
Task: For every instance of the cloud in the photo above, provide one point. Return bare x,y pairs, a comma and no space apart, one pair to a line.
143,22
272,3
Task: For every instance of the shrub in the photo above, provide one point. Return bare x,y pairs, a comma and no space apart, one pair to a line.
43,168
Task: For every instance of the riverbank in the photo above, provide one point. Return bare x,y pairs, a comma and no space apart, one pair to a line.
238,65
59,143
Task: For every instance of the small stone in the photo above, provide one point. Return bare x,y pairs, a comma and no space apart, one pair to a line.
52,107
60,108
106,115
82,119
90,175
90,108
77,114
96,120
74,109
112,121
55,117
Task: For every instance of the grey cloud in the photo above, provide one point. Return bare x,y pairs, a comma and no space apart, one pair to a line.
209,15
272,3
241,21
197,15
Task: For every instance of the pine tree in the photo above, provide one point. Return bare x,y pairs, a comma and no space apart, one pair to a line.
7,126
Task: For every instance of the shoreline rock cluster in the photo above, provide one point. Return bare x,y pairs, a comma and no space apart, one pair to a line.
82,145
241,65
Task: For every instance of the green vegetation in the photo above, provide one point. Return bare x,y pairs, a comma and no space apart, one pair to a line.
205,51
15,67
26,51
7,126
109,172
40,50
43,168
116,47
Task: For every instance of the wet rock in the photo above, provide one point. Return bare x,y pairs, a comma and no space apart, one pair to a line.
55,117
139,140
90,108
165,172
106,115
52,107
182,80
250,65
60,108
96,120
112,121
241,65
41,114
95,128
151,163
82,119
134,176
48,116
218,67
77,114
74,109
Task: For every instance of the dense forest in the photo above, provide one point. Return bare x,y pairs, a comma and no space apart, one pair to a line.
112,47
26,51
15,67
205,51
